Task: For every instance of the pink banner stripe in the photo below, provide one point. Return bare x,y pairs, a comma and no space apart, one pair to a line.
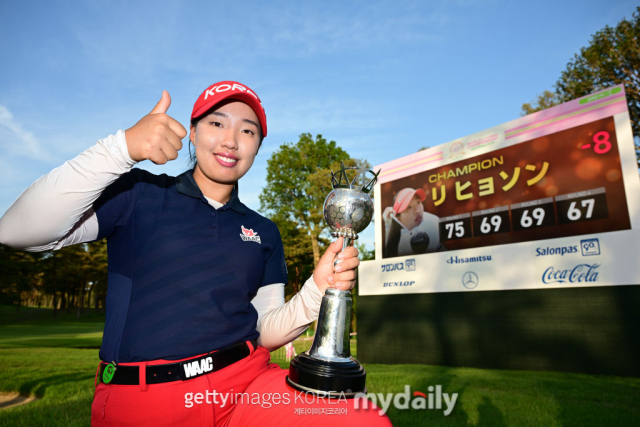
404,161
406,172
563,113
409,164
573,121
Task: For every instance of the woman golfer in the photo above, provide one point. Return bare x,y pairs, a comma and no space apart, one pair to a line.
195,298
408,228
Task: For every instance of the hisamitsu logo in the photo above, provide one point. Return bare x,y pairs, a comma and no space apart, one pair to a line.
248,235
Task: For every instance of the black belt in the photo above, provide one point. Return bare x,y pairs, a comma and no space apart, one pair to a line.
180,371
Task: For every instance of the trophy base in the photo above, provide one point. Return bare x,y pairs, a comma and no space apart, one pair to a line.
329,379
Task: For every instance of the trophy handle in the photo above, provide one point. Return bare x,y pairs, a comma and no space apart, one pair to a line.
346,242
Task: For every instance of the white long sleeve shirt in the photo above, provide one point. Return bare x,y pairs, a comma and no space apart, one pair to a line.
56,211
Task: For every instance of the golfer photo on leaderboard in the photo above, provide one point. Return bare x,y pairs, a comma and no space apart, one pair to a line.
408,228
195,298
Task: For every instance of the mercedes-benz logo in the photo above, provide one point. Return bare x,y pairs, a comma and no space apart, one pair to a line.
470,280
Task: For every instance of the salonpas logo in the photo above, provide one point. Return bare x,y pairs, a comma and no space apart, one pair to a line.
561,250
408,265
581,273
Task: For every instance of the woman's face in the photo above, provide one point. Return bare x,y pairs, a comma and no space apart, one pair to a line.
412,216
226,142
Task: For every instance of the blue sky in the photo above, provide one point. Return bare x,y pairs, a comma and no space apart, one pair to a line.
380,78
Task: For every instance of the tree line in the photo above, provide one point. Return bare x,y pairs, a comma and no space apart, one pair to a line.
298,180
72,278
611,58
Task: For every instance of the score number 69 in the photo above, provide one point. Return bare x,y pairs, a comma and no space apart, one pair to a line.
527,221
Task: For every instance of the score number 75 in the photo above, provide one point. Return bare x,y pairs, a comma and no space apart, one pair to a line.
458,226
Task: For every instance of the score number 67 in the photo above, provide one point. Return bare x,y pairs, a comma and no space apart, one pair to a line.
574,214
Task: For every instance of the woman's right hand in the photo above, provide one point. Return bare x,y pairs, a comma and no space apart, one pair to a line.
157,136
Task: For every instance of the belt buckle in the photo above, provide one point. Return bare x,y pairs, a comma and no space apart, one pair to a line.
194,368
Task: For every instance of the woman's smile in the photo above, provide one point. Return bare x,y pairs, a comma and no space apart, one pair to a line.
226,160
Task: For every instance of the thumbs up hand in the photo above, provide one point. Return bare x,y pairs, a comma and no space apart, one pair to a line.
156,136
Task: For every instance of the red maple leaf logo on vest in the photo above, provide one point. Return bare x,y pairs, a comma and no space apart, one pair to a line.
248,235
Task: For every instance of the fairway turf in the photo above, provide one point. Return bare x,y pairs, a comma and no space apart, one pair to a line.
36,359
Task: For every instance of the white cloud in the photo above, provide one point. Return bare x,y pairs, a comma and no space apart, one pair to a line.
305,33
16,140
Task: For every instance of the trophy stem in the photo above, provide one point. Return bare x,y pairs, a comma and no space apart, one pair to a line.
346,243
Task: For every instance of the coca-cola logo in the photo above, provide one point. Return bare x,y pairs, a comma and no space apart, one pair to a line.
581,273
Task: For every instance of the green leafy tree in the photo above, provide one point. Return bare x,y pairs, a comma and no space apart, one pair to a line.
298,181
70,276
546,100
611,58
49,265
298,253
20,276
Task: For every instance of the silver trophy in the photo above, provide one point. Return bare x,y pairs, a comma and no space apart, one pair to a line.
327,368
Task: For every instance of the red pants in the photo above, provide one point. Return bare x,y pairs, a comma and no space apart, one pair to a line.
250,392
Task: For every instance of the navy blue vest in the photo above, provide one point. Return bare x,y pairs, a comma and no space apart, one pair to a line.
181,273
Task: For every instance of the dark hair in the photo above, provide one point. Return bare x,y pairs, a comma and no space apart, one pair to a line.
393,240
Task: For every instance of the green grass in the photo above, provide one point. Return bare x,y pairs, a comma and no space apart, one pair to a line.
62,378
34,327
49,358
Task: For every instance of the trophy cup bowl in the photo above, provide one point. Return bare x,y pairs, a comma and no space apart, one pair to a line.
328,369
348,211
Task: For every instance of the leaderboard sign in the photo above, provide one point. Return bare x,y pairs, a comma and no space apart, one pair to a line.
548,200
552,186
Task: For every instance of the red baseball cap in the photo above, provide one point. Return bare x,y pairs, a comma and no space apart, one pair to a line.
220,91
404,197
